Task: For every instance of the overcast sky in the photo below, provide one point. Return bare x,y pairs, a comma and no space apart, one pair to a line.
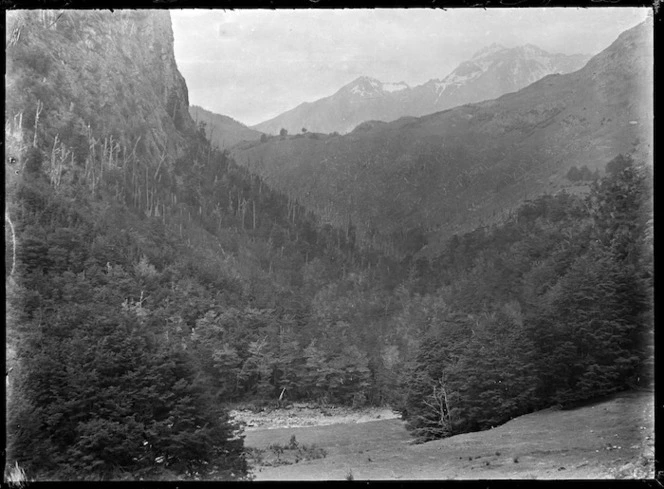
255,64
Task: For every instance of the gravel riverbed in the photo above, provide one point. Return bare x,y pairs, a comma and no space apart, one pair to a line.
301,415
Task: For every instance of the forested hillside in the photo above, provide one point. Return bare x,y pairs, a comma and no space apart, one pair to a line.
560,309
127,229
152,282
98,135
418,181
222,130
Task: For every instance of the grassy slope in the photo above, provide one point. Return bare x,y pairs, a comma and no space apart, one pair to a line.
549,444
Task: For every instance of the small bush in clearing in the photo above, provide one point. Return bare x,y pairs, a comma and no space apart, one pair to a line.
277,454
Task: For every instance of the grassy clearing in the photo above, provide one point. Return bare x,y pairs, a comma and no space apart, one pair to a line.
606,440
276,454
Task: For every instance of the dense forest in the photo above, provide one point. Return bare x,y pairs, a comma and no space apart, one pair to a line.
556,309
142,304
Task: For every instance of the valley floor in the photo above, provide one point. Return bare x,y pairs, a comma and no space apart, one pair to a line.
609,439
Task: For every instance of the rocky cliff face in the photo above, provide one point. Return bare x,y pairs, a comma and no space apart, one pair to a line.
101,88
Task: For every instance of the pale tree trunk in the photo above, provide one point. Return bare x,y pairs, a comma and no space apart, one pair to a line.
438,402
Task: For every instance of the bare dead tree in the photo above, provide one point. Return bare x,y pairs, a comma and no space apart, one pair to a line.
439,409
14,37
40,107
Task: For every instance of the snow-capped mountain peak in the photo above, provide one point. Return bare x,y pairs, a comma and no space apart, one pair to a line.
366,86
493,71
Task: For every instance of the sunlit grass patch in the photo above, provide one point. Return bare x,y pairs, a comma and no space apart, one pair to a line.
289,453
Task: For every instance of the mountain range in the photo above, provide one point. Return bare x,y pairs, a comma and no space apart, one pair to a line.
454,170
491,72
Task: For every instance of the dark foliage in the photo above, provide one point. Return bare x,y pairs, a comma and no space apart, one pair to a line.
561,297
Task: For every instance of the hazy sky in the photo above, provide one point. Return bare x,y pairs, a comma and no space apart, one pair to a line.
255,64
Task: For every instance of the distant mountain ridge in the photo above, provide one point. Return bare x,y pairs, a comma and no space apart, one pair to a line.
457,169
491,72
221,130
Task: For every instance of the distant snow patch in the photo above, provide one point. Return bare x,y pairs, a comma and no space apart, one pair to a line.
395,87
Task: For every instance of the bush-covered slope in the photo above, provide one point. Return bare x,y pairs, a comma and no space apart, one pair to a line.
222,130
150,279
561,303
449,172
102,385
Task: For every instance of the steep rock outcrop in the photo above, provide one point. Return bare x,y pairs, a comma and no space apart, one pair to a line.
101,87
